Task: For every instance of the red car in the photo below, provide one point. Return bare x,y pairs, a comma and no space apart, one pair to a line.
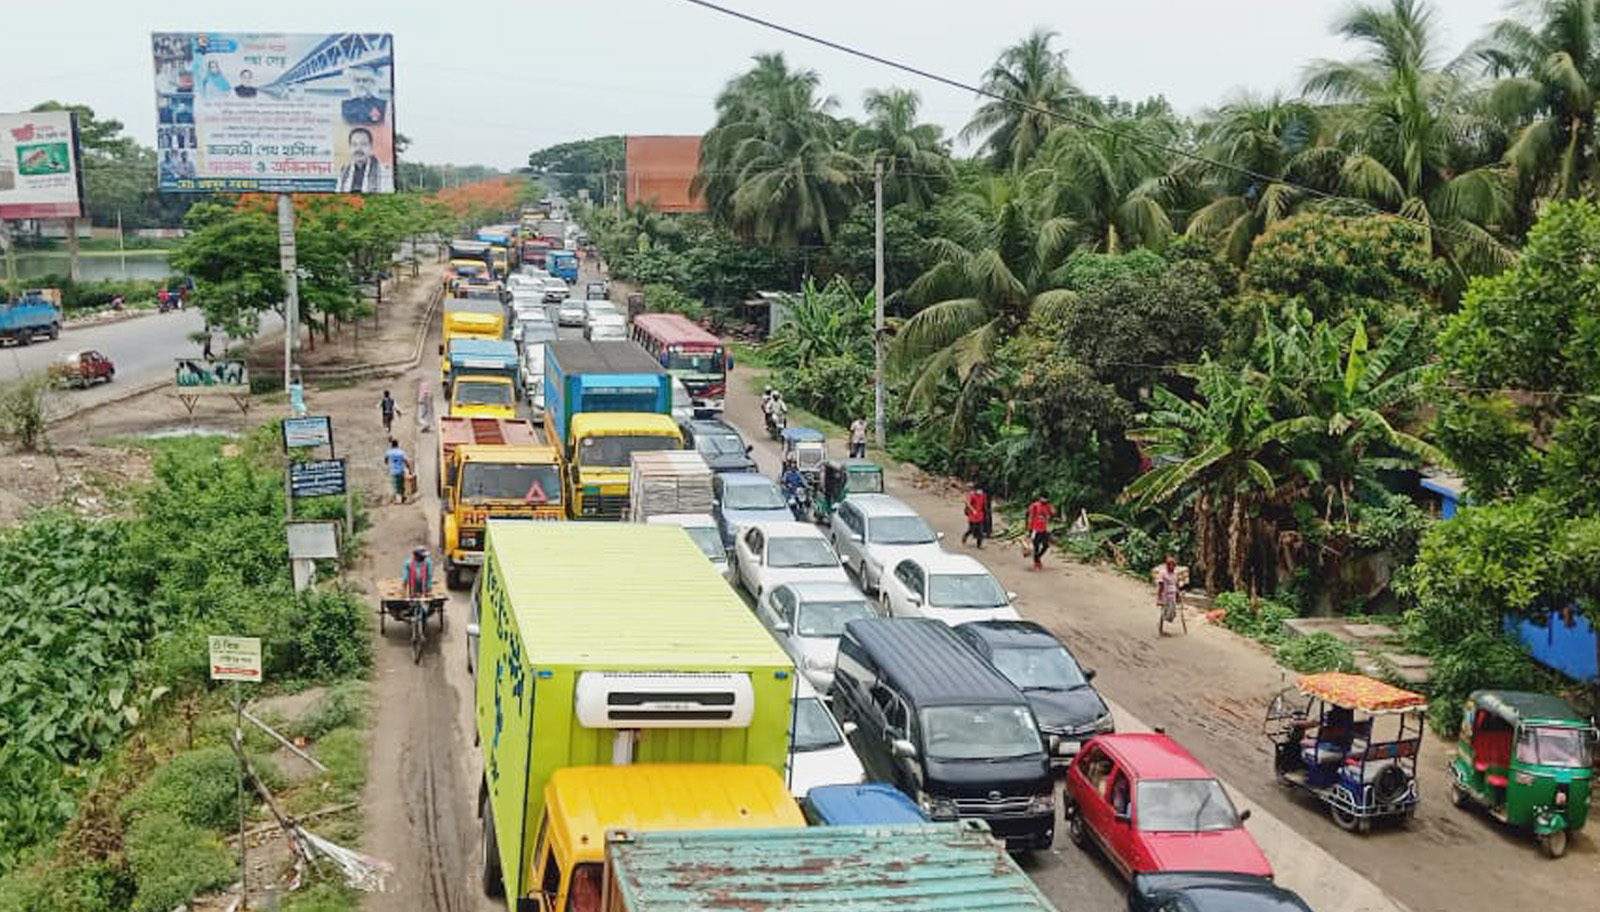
82,368
1150,807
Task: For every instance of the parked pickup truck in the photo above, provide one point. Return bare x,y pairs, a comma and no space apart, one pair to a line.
81,368
28,317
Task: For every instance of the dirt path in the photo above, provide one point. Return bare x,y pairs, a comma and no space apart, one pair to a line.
1210,690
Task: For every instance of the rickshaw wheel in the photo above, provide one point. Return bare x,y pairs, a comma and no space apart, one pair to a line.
1554,843
1347,821
1458,795
383,619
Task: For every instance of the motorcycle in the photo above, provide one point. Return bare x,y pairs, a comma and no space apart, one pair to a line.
799,500
775,425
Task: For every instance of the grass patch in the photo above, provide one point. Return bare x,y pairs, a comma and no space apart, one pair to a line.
174,860
344,752
199,787
344,704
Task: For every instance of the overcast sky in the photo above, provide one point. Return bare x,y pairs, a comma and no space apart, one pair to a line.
503,78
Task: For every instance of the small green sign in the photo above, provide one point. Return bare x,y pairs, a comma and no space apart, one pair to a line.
43,158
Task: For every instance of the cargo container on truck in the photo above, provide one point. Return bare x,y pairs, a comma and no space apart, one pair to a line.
468,319
600,377
611,645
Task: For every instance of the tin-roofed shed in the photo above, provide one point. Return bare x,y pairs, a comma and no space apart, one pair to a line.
936,867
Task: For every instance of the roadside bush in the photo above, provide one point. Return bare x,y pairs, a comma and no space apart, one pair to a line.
173,861
343,704
344,752
838,388
1479,660
1317,652
199,787
24,416
1263,621
662,298
329,638
76,296
90,887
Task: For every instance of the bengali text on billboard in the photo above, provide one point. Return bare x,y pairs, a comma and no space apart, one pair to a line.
39,166
277,113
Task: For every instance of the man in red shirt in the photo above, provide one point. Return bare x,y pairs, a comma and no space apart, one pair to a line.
977,512
1040,512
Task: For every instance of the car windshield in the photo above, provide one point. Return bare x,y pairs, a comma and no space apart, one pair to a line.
827,619
752,497
709,540
531,484
813,727
1038,667
965,590
980,733
719,444
1551,746
615,452
900,530
797,552
472,392
1184,806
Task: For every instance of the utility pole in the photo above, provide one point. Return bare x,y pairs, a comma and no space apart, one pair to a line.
291,284
122,247
72,249
877,303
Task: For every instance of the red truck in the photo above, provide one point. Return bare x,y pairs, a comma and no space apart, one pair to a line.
82,368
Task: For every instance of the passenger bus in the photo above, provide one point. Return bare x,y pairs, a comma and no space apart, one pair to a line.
688,352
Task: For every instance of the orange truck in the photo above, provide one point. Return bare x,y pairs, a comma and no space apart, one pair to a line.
491,468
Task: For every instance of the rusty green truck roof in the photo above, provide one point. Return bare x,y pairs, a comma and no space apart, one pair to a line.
936,867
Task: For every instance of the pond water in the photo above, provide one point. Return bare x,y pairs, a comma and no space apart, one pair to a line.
92,269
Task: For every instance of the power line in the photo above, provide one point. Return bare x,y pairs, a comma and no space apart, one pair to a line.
1077,120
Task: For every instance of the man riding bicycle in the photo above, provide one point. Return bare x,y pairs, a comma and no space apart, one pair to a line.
418,578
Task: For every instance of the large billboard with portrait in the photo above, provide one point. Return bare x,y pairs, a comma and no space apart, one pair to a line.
39,175
275,113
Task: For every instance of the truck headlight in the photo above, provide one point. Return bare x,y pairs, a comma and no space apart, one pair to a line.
1043,804
936,808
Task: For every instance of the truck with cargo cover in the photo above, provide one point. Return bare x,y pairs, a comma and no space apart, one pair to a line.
582,376
610,645
30,316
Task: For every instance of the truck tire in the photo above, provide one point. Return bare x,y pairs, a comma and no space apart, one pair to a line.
452,576
24,337
55,331
494,883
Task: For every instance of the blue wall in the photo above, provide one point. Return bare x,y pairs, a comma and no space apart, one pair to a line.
1569,650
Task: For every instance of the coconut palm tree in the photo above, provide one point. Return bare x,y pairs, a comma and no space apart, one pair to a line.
915,157
1414,142
1547,73
1033,79
978,296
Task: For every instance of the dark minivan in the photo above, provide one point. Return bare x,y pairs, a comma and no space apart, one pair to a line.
945,727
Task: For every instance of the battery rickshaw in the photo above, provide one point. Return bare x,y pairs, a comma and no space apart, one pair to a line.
1527,759
809,450
1350,741
840,479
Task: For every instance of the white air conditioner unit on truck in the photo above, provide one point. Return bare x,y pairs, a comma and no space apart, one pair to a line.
628,699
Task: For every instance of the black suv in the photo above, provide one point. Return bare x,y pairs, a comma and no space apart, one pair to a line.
719,444
1069,710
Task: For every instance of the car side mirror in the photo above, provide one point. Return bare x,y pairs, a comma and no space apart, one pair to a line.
441,348
1089,673
1011,596
849,728
1244,815
940,536
903,748
749,448
857,537
915,600
844,558
472,630
781,627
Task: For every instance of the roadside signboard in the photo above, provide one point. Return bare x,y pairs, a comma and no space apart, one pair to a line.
39,175
317,477
195,378
274,112
310,431
235,658
313,539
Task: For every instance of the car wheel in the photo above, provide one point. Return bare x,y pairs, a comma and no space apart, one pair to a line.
883,604
1077,829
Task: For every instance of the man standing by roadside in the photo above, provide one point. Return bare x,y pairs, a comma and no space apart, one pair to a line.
389,409
1166,594
1040,512
398,464
858,439
977,510
424,406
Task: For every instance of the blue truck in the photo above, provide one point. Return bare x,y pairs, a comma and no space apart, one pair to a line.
29,317
600,377
563,264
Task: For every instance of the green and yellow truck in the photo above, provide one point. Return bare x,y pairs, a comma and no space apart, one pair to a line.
610,644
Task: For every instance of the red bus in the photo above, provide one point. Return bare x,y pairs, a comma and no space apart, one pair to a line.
689,353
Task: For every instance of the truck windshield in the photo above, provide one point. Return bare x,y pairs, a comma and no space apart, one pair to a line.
482,392
621,400
615,452
1184,806
980,732
900,530
813,727
1551,746
530,484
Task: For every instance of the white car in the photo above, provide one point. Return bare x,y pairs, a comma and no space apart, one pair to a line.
702,528
519,281
556,290
594,309
773,553
953,588
819,751
571,313
606,328
874,531
533,272
807,620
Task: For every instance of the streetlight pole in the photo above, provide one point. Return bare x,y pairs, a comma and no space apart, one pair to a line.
877,303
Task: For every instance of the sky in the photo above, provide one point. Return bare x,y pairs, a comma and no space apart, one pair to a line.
506,77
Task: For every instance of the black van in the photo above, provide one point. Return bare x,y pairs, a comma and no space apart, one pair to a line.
945,727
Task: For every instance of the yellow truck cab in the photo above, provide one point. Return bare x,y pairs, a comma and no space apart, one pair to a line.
583,802
477,396
493,481
599,450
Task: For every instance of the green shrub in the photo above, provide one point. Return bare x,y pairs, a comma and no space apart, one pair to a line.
1263,621
344,752
1316,653
1476,661
45,885
329,639
836,387
662,298
173,861
199,787
343,704
327,896
24,411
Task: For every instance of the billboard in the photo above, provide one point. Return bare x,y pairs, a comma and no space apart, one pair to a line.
39,175
194,378
658,170
275,113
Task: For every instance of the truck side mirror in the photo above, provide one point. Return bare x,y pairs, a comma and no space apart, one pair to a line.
441,348
1244,815
849,728
780,627
1125,815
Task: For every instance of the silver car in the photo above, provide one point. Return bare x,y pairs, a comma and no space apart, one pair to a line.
875,531
807,619
571,313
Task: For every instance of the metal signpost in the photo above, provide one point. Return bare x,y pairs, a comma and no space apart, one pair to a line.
237,660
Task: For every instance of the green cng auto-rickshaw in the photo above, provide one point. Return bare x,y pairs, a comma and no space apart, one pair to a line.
840,479
1526,758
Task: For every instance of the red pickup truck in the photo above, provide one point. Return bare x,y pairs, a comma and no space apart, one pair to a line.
82,368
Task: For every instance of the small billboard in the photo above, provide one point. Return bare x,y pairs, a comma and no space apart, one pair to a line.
195,378
274,112
39,176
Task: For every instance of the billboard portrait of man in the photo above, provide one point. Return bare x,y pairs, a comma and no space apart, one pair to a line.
364,173
364,106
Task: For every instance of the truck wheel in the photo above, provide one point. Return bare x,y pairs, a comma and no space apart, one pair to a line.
493,882
55,331
25,337
452,576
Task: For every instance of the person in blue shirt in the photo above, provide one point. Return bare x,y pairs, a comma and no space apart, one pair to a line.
212,82
398,463
794,486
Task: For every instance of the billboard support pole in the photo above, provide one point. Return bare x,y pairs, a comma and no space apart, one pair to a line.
291,284
11,257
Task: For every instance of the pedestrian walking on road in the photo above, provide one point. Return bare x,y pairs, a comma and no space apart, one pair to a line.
858,438
389,409
1040,512
1167,584
399,465
977,512
424,407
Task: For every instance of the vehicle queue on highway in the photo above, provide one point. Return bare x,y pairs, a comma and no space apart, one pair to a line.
872,661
